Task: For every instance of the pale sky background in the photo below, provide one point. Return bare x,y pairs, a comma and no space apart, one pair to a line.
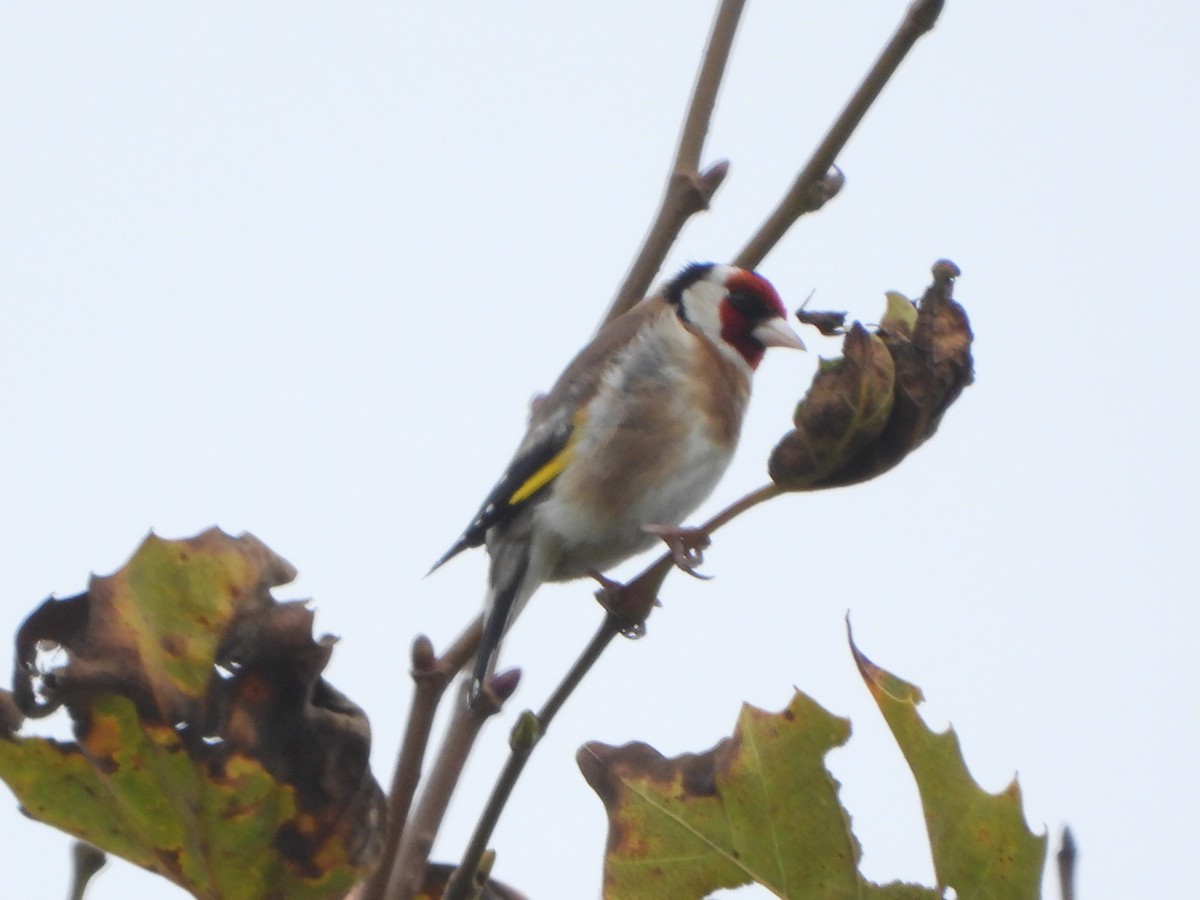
296,269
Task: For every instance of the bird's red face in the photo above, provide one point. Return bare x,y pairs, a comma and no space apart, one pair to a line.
753,317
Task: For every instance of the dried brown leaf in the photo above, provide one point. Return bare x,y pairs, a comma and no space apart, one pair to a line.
931,364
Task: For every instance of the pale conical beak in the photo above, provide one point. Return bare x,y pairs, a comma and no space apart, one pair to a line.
777,332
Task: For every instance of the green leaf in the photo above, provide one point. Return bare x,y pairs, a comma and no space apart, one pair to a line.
760,807
132,790
981,844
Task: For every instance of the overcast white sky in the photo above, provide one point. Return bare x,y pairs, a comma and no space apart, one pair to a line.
296,269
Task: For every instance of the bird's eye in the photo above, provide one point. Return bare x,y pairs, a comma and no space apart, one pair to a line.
742,302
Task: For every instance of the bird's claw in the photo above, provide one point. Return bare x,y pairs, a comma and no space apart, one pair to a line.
686,545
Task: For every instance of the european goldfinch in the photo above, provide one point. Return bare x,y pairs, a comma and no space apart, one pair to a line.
633,436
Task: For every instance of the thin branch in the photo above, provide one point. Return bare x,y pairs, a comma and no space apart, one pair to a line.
430,677
812,186
1066,865
688,190
411,858
731,512
525,736
463,649
86,861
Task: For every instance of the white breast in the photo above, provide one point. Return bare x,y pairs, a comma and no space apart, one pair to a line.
644,456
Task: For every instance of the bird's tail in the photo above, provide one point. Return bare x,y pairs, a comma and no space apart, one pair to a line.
459,546
499,611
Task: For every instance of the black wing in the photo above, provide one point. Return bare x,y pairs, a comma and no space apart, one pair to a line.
538,464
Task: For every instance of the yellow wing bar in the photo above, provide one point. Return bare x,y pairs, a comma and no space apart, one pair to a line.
553,467
543,476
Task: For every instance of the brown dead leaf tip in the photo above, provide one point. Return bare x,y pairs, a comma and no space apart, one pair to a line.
610,770
698,770
606,766
866,668
11,716
944,272
829,323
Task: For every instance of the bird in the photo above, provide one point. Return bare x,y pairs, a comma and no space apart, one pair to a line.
631,439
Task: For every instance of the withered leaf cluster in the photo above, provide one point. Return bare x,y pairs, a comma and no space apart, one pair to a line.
885,396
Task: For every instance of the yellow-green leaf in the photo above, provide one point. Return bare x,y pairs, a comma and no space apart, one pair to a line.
900,317
981,844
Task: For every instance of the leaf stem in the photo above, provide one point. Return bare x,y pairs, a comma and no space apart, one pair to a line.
86,861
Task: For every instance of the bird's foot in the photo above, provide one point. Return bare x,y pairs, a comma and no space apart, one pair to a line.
686,545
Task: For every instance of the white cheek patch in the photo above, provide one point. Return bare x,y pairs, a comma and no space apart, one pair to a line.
702,306
702,302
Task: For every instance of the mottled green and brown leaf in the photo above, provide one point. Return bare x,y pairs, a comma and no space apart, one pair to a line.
208,747
760,807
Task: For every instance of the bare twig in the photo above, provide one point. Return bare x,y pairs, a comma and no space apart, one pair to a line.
1066,866
430,676
813,185
412,855
688,190
462,651
86,861
525,736
528,730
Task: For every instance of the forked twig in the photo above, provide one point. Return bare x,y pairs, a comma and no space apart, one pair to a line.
688,190
412,855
